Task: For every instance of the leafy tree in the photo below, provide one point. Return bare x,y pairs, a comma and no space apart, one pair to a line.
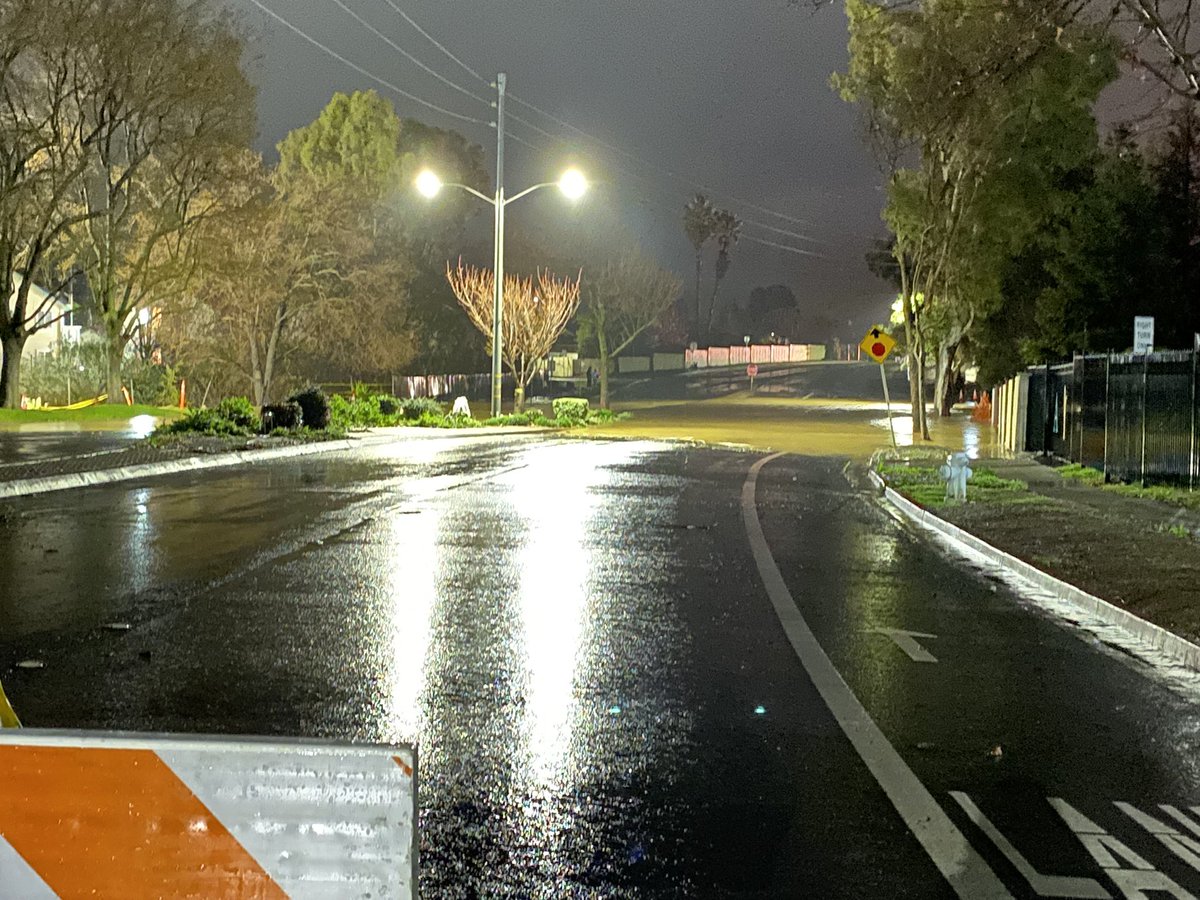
995,106
619,301
536,310
353,144
355,153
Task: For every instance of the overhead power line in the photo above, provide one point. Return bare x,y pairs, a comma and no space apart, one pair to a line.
585,134
387,40
360,70
508,133
429,37
788,247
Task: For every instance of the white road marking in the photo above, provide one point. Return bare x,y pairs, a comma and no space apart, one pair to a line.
1101,845
905,640
1186,848
1042,885
966,871
1182,819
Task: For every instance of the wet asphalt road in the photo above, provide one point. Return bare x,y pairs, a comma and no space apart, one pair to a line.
22,445
578,638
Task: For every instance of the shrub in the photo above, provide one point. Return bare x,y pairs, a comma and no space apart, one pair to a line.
571,410
388,406
530,417
459,421
361,412
416,408
240,412
285,416
314,406
204,421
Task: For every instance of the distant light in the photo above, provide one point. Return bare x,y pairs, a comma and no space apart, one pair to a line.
573,184
429,184
760,710
142,426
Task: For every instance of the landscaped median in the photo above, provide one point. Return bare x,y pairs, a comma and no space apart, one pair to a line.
1123,545
235,432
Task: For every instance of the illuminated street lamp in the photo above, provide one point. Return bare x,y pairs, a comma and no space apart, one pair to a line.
573,185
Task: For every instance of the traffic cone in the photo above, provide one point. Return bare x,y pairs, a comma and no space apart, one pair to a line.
983,411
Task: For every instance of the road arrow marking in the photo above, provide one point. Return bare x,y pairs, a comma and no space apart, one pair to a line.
905,641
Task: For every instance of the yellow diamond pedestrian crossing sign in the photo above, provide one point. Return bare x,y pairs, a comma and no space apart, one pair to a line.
878,344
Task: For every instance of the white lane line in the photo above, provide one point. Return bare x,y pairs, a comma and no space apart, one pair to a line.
965,870
1042,885
905,641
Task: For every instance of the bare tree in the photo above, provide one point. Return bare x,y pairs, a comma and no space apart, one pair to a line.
282,272
45,145
536,310
171,106
619,302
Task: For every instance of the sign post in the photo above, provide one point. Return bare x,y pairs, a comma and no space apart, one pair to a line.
752,370
878,345
1143,334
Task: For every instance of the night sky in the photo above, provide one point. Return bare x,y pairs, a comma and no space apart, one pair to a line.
732,97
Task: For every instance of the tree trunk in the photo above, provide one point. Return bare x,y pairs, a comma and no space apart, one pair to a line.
518,399
712,309
10,372
256,379
946,382
113,359
699,313
602,343
921,406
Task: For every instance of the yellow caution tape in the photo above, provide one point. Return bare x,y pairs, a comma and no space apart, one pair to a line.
8,718
80,405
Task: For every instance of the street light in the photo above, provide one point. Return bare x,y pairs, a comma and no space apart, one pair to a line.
573,185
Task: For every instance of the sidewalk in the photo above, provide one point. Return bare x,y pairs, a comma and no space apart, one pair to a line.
1138,553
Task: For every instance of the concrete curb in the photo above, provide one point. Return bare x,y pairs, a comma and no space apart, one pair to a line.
1180,649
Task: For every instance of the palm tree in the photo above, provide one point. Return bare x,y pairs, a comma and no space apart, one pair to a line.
699,224
727,228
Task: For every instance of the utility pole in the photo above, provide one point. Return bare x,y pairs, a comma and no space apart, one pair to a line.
498,267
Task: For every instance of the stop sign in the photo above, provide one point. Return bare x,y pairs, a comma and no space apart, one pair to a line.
752,369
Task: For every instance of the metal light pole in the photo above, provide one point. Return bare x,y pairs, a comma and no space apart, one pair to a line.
498,249
572,184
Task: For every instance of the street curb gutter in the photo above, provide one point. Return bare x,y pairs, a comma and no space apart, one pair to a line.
1180,649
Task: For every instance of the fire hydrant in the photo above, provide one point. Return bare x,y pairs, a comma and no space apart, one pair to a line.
955,473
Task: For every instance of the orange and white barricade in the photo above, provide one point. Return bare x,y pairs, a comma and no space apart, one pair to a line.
149,816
